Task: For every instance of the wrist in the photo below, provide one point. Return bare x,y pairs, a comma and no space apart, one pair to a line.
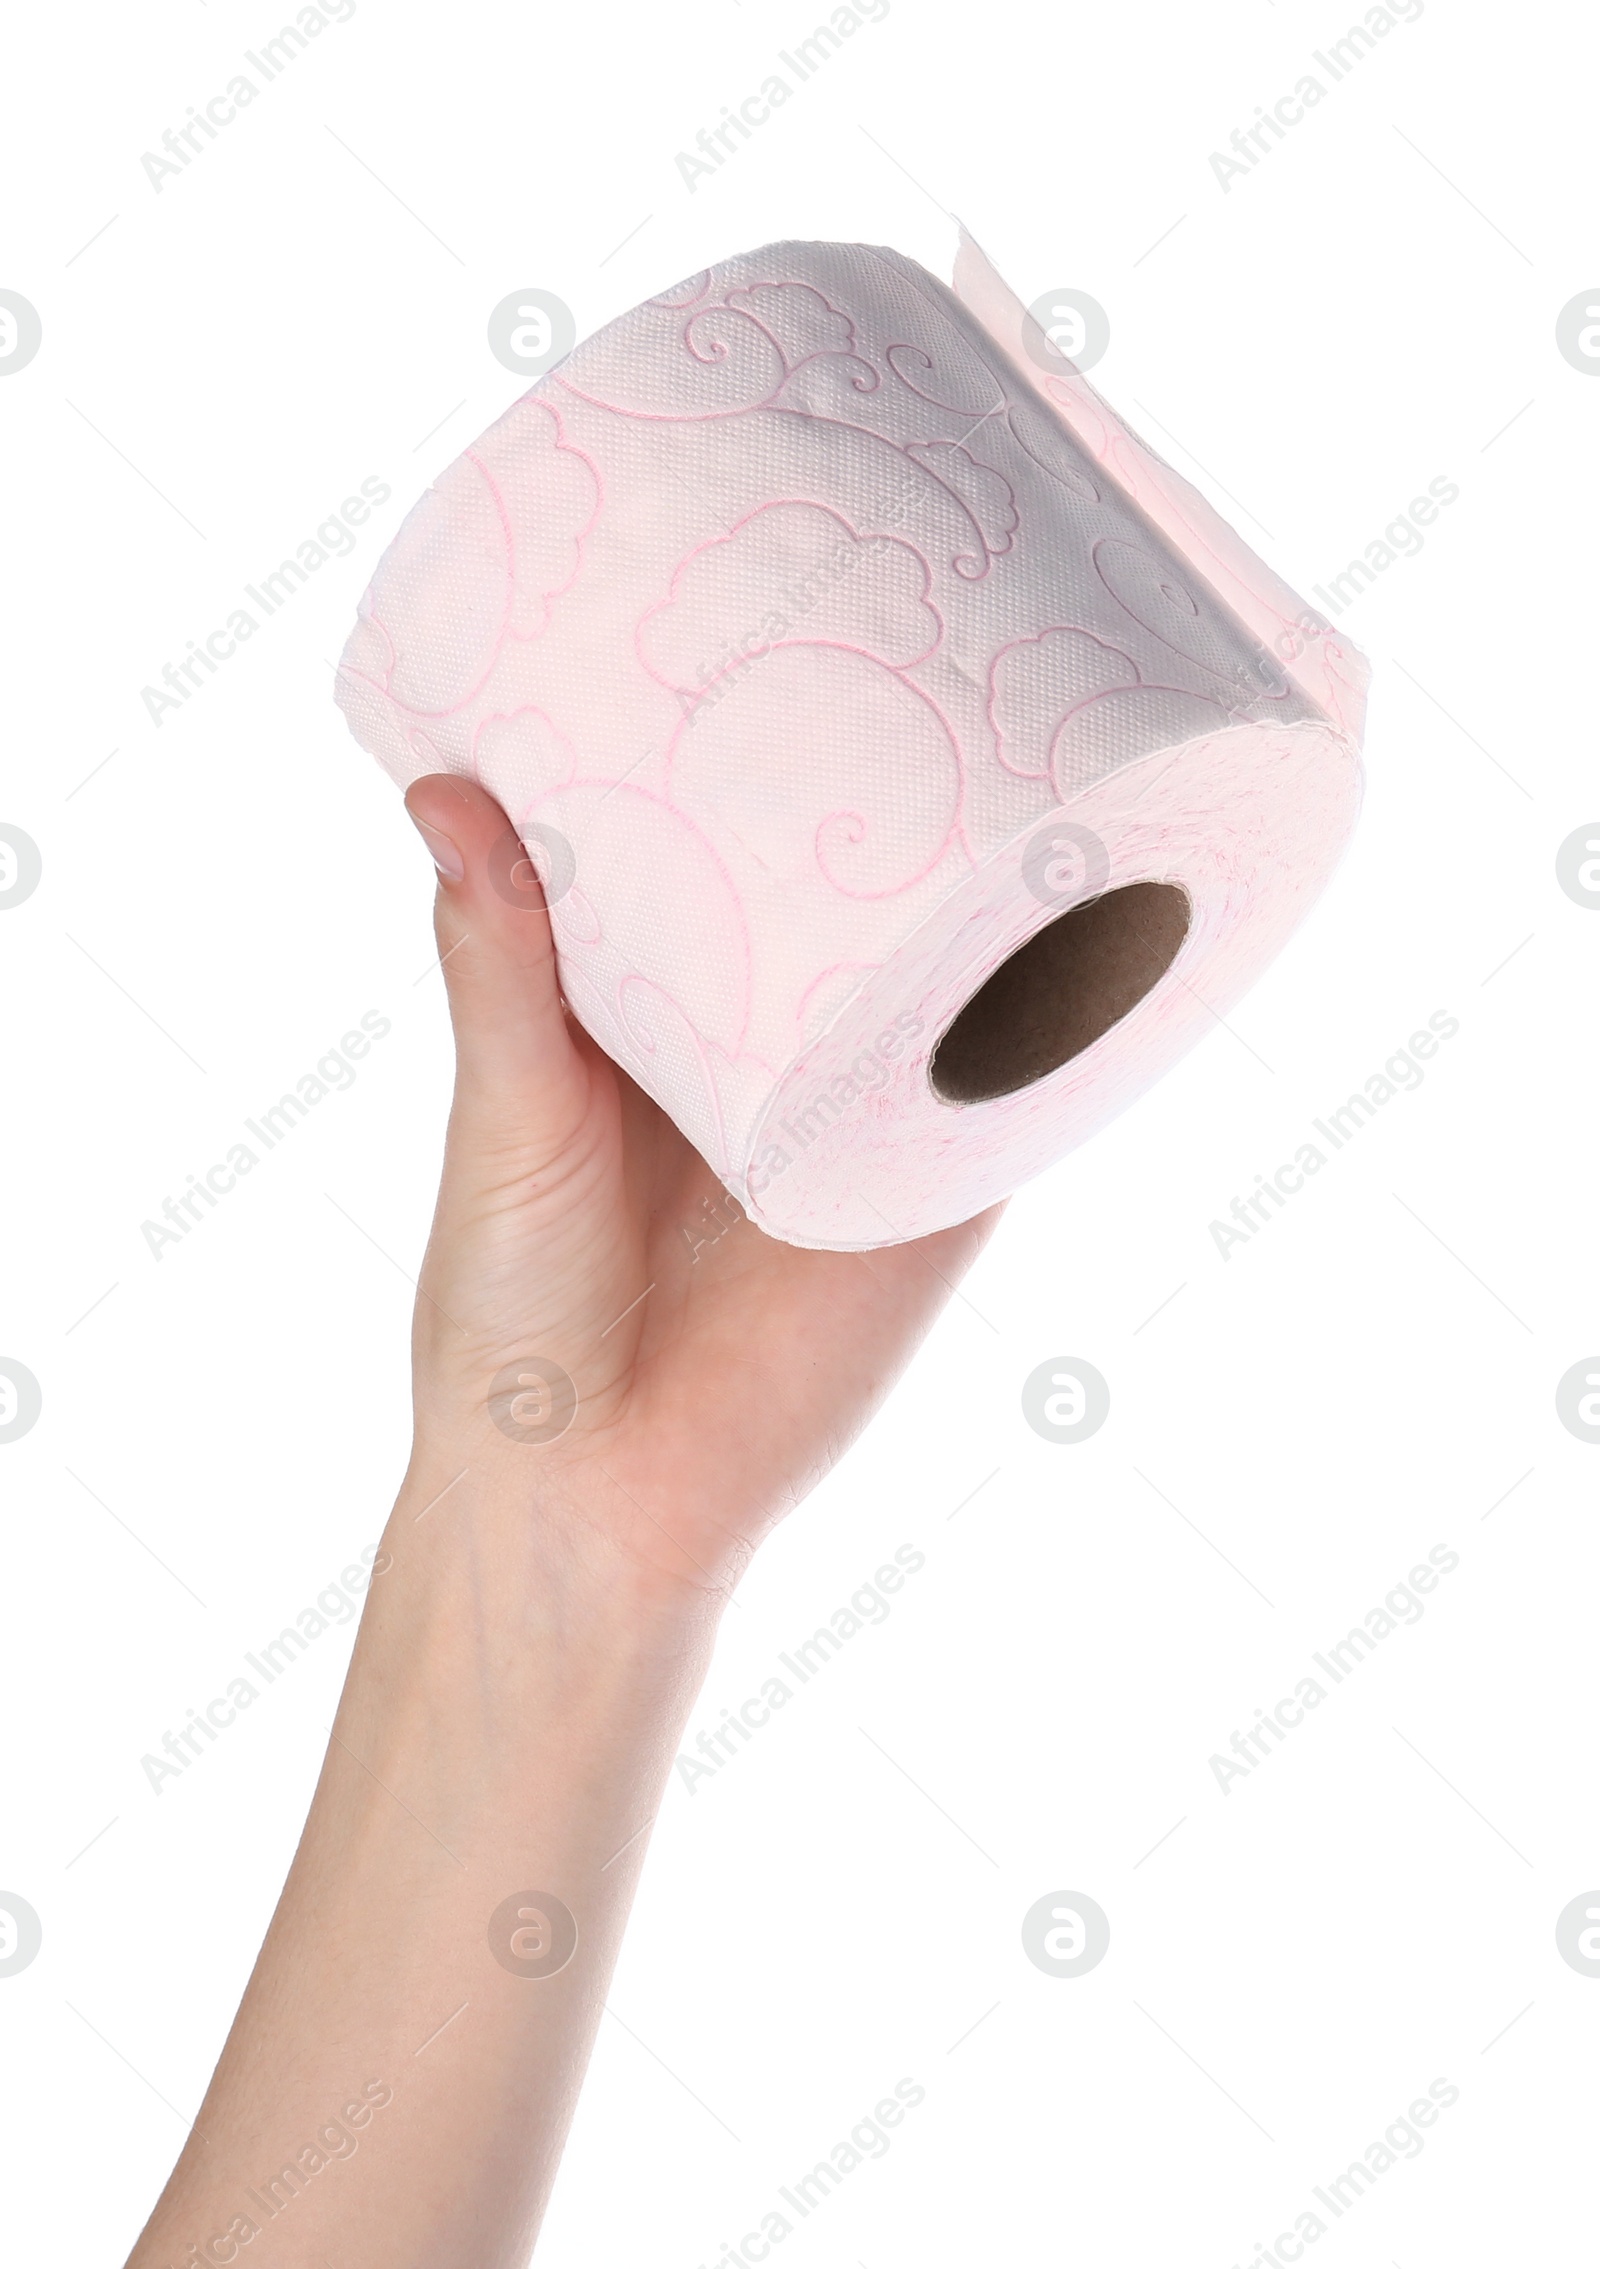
490,1646
544,1550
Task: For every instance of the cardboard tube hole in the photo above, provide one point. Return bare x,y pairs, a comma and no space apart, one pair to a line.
1060,992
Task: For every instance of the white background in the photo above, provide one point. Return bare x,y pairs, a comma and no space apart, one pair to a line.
1373,1375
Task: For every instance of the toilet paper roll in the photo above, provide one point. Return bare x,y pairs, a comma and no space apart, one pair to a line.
915,765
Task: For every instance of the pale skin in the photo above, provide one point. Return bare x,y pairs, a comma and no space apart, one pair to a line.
539,1624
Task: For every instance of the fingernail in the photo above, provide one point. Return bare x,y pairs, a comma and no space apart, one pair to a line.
446,857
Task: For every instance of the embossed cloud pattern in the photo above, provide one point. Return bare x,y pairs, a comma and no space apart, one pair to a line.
798,601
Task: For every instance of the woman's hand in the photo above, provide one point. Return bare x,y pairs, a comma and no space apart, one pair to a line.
617,1391
715,1374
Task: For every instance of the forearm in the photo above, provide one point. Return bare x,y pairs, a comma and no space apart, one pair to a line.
507,1727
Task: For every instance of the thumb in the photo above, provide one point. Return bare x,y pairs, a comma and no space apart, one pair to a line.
515,1061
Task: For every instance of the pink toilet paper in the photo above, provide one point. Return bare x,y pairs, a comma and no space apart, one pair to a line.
831,654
